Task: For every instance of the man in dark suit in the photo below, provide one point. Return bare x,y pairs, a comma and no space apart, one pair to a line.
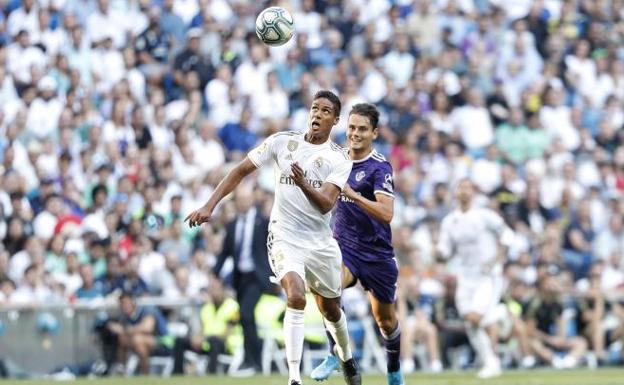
245,242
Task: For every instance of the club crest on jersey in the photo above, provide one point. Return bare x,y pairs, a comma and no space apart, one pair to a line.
360,175
318,162
292,145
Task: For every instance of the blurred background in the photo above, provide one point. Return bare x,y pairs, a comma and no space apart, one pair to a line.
119,117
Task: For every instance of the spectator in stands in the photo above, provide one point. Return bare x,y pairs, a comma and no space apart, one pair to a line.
89,289
130,281
32,289
140,329
448,321
548,327
578,242
591,310
111,281
16,235
237,136
192,60
152,47
417,326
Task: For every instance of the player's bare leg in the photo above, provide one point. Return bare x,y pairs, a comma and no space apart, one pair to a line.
386,319
336,323
294,286
483,345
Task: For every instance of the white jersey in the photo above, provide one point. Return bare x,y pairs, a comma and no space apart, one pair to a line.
294,218
472,237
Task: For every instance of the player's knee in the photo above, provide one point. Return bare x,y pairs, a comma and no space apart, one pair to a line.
331,313
387,324
296,301
473,319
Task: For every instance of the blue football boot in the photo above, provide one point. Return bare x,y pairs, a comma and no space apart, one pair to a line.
329,365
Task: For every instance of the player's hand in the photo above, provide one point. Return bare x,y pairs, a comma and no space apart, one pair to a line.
349,192
199,216
298,175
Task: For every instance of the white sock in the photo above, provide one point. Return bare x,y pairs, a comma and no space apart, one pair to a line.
293,340
340,332
481,343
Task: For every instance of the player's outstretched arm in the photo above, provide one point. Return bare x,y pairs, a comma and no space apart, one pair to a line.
324,198
382,209
226,186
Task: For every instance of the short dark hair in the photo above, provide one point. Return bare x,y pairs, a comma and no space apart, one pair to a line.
126,294
366,109
99,188
332,97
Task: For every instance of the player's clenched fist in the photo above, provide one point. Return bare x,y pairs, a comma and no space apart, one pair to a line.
199,216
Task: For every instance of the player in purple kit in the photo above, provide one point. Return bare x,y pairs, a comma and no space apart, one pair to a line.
362,229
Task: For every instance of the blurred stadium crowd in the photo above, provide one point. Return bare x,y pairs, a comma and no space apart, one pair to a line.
117,118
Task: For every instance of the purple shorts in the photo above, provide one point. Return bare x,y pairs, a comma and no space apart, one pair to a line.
377,276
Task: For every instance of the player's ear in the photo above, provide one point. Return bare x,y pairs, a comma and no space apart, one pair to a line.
375,133
336,120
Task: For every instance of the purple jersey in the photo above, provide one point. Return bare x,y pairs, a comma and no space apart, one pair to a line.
353,227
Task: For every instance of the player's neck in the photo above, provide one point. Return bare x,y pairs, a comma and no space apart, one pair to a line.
464,206
315,139
360,154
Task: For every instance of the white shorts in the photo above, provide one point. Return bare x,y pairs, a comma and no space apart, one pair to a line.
479,295
321,269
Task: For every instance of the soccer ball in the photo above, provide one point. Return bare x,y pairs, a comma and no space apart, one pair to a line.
274,26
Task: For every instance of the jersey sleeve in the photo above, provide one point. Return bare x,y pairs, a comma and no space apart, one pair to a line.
384,180
445,244
340,173
264,152
497,226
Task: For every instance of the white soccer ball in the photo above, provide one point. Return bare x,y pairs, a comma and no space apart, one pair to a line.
275,26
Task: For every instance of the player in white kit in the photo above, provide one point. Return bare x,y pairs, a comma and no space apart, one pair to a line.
477,239
310,173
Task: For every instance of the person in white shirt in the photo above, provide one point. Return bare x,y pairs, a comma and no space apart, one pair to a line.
24,18
309,22
32,290
486,172
217,89
108,22
557,119
22,58
581,69
477,239
272,104
45,111
207,142
472,122
108,65
310,173
251,75
51,39
399,63
45,221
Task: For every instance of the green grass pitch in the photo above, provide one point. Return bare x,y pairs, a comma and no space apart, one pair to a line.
534,377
